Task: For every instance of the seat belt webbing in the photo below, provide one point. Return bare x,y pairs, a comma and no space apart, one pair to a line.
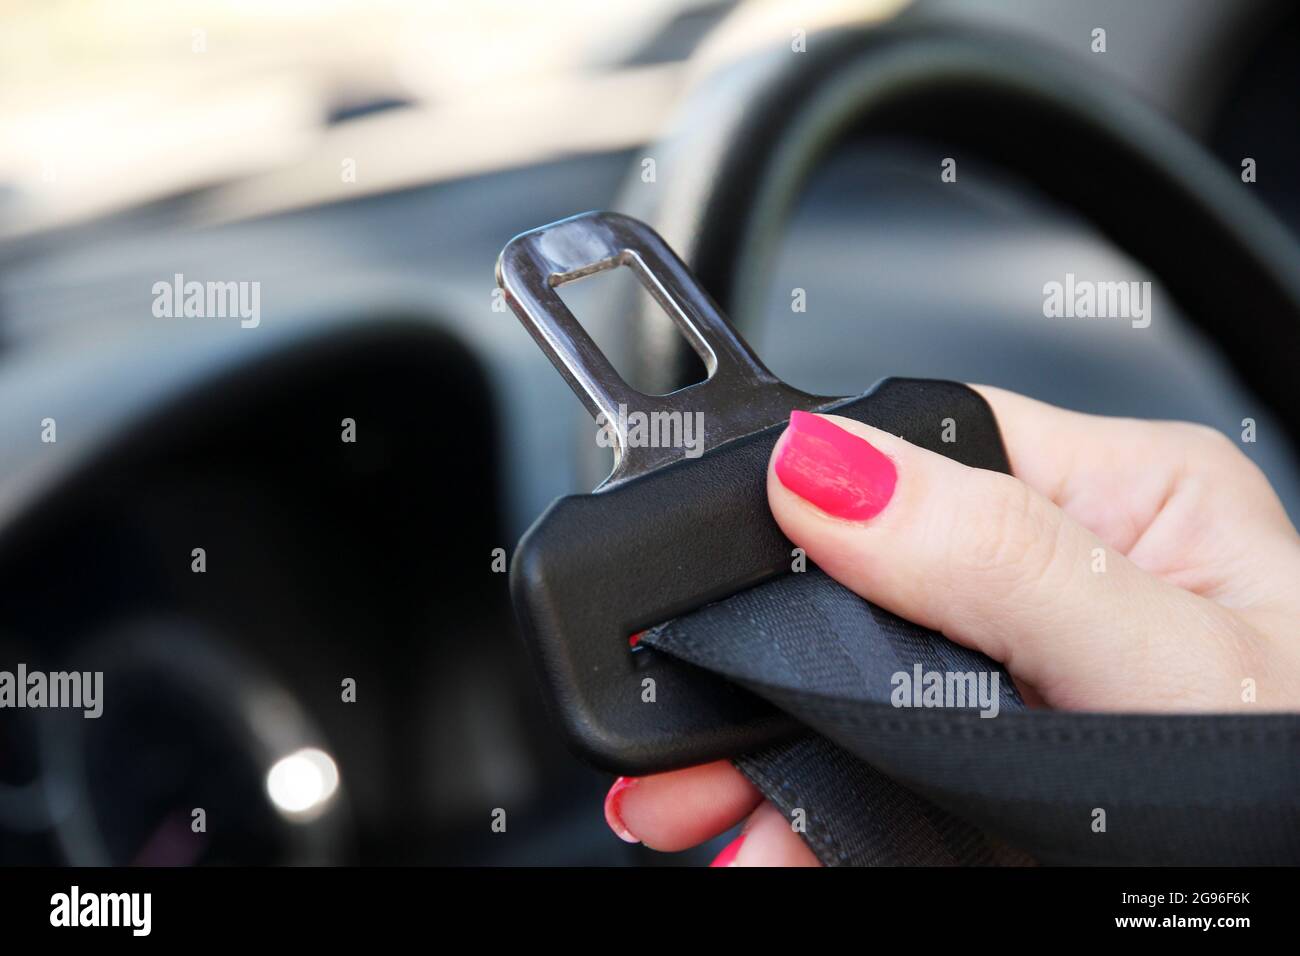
885,784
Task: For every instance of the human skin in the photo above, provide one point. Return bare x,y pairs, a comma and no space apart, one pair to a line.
1194,604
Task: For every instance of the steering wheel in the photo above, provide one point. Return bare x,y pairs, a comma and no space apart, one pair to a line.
750,137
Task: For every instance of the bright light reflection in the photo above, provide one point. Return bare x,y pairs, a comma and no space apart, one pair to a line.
301,784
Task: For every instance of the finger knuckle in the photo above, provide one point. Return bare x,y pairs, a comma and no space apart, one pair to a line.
1211,454
1209,442
1006,533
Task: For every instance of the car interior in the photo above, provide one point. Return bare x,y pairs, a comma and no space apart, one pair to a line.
366,169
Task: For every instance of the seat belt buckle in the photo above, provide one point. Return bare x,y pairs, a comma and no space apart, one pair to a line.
672,528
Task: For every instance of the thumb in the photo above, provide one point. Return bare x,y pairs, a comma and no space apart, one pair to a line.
993,565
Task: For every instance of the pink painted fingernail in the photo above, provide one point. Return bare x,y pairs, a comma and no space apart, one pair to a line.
613,799
728,855
840,473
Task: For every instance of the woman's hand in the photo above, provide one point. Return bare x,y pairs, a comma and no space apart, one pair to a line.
1129,566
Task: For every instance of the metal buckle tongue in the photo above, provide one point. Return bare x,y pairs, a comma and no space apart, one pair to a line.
739,397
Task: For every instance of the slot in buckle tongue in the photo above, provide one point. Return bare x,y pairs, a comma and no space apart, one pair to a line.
739,397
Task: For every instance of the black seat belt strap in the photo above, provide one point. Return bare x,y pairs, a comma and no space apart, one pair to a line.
1061,787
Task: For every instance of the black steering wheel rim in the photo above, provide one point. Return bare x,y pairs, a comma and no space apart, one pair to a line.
746,145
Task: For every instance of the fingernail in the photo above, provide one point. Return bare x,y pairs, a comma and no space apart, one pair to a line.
837,471
728,855
613,800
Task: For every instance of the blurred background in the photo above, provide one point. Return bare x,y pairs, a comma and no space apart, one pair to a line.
364,163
